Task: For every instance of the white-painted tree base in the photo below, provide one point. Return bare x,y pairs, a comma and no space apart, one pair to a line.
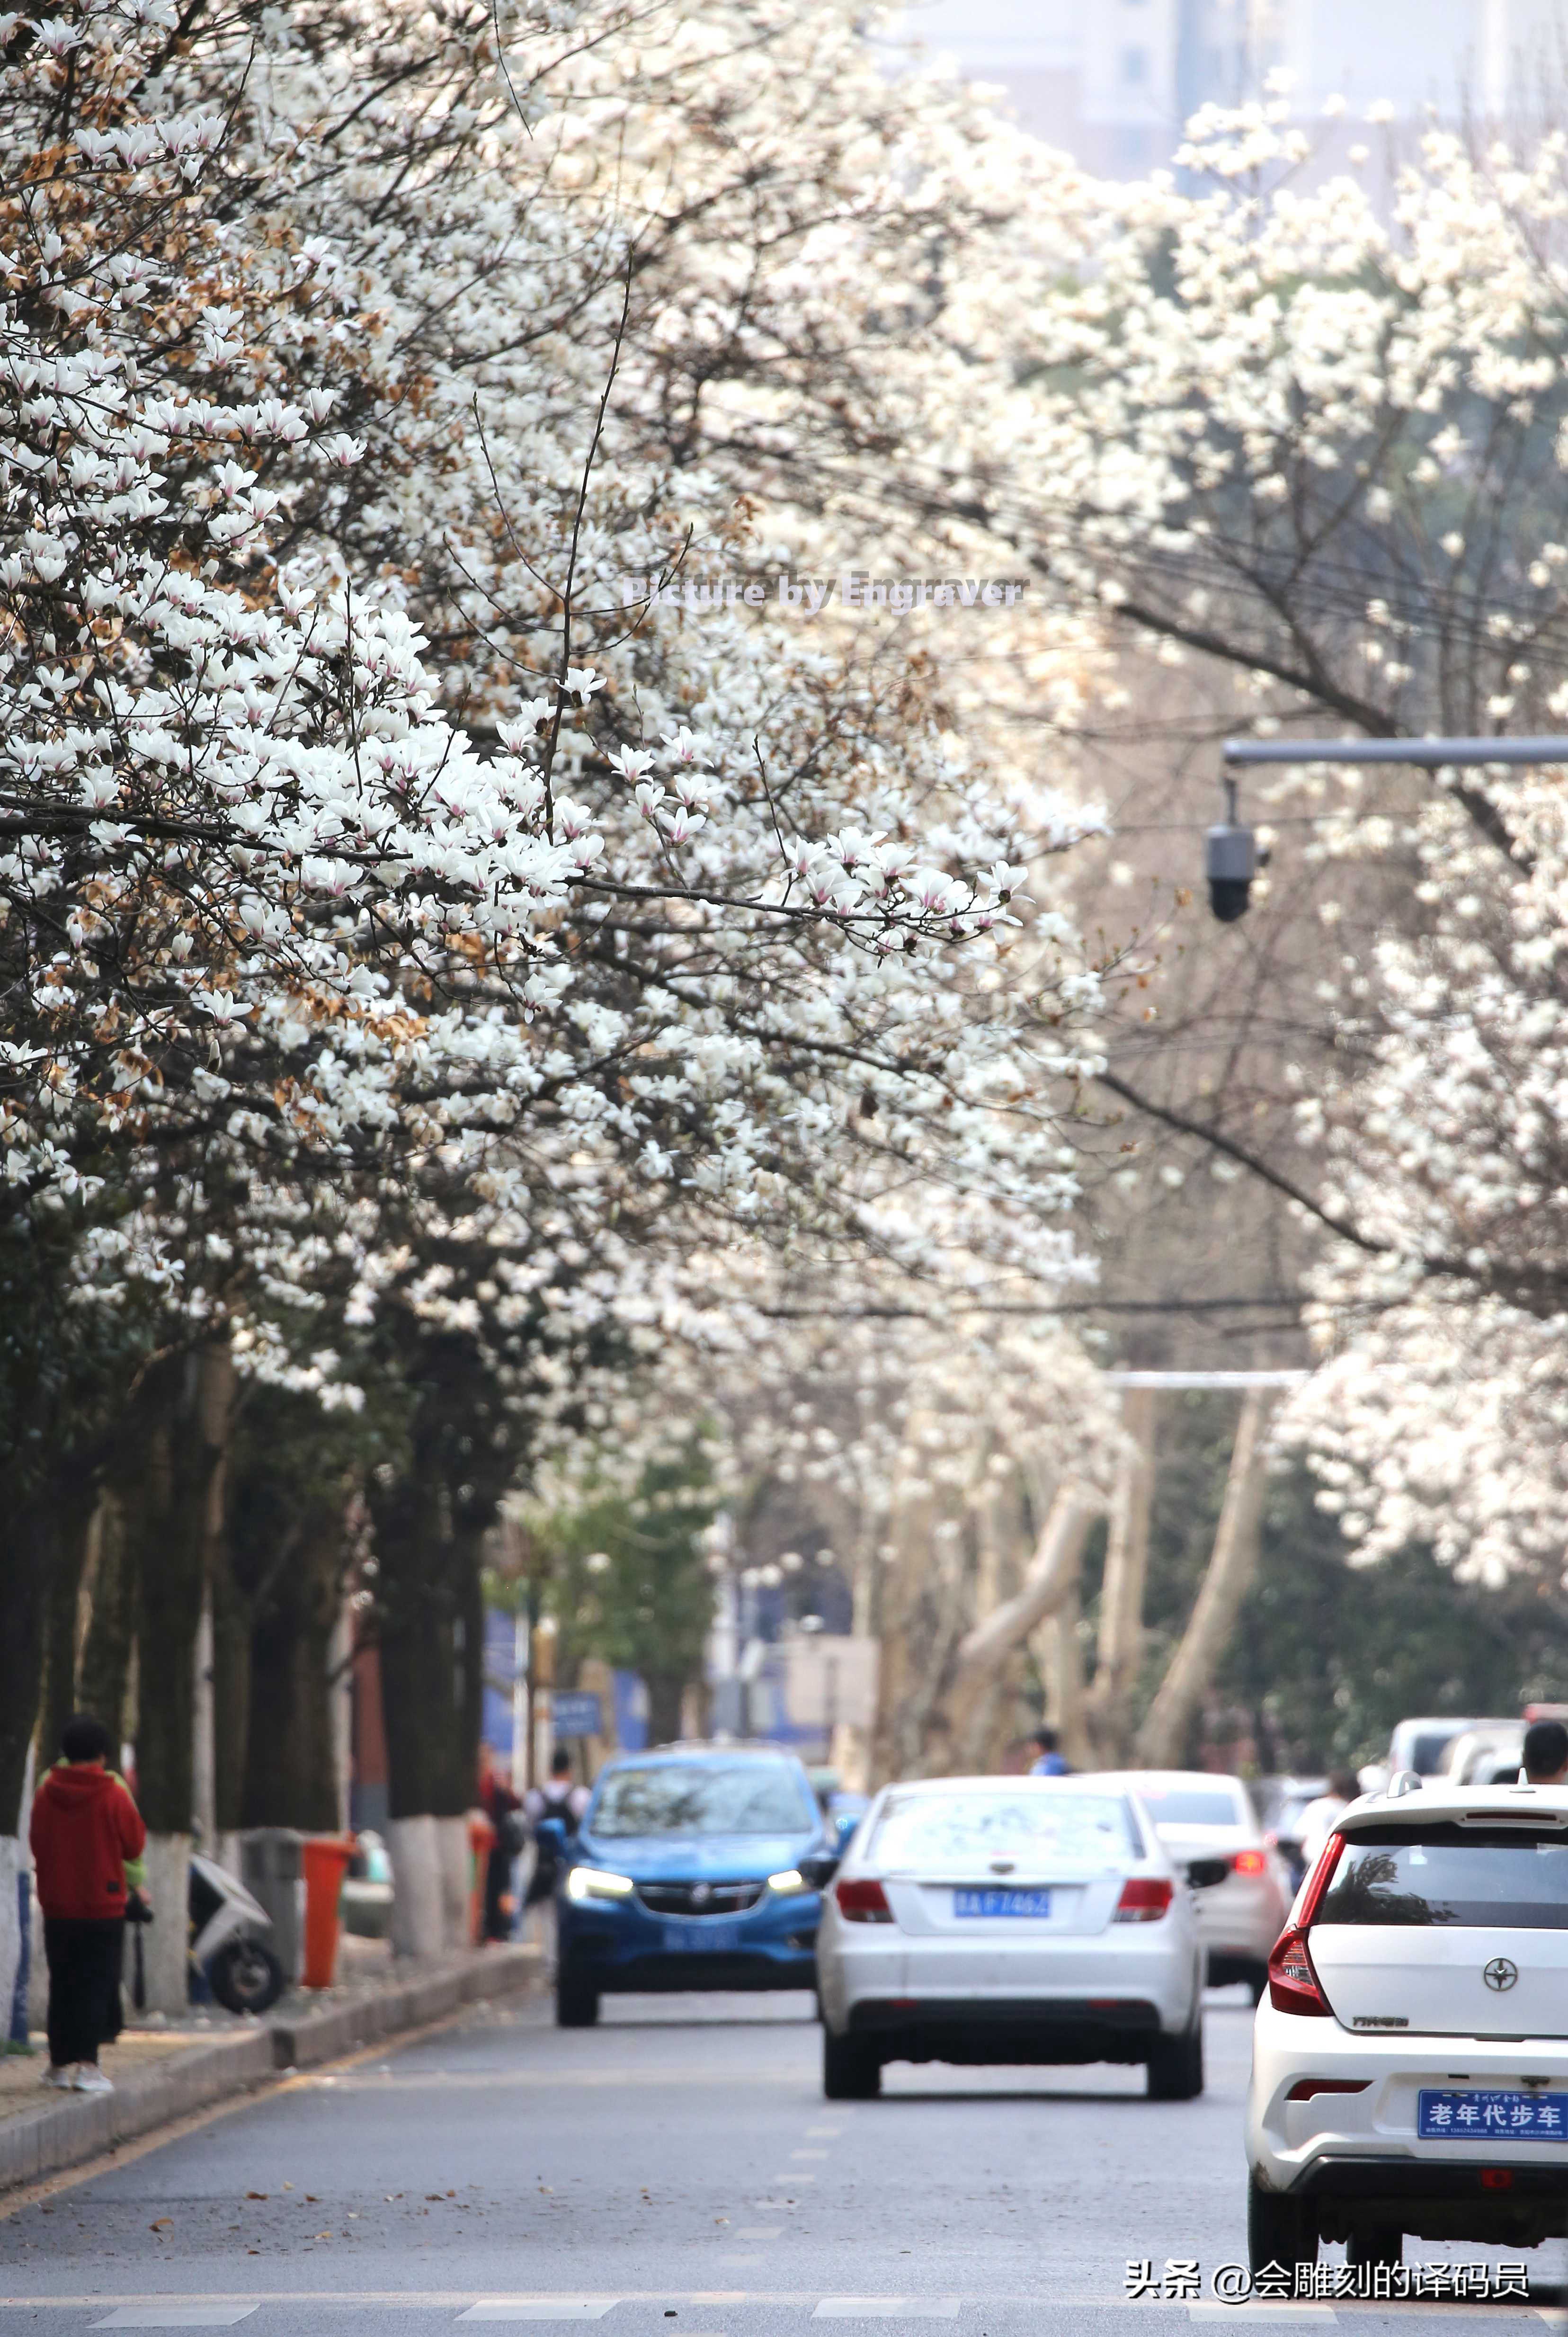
165,1939
452,1840
10,1926
412,1845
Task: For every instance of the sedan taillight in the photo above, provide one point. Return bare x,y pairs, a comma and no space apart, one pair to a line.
1249,1861
862,1901
1144,1899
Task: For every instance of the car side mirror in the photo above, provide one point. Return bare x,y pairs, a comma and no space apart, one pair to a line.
550,1833
1203,1874
818,1870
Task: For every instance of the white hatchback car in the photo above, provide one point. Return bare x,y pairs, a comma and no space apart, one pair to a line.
1202,1816
1009,1920
1410,2062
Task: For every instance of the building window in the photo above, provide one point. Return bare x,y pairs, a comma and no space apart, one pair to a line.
1135,67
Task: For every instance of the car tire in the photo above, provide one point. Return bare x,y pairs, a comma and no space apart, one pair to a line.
576,2004
1176,2067
851,2070
1279,2230
1376,2246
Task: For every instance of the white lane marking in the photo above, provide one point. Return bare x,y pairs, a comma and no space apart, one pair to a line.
559,2308
1262,2311
887,2308
796,2174
810,2154
759,2231
830,2132
175,2316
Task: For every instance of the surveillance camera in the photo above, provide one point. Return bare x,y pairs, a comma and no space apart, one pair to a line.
1230,863
1229,897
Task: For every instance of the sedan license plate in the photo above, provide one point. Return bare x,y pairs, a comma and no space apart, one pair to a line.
1003,1903
1445,2116
702,1938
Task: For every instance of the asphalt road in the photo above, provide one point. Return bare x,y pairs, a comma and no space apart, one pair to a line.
673,2172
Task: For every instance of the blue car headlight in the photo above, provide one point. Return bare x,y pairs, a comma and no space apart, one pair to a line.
593,1882
789,1884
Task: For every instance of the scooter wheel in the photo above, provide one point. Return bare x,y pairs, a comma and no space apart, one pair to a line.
246,1975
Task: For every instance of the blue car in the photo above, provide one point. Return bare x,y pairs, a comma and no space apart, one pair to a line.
692,1869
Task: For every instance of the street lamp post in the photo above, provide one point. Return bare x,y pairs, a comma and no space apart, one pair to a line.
1231,857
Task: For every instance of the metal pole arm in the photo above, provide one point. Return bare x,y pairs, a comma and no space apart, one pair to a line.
1427,754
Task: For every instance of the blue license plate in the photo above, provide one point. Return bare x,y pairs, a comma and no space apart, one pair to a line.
1003,1903
1444,2117
702,1938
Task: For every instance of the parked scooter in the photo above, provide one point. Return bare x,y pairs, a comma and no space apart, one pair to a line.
227,1949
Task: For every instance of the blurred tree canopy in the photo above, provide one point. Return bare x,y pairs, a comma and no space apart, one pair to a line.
628,1581
1328,1655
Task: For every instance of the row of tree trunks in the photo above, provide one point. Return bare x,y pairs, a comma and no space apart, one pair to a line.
949,1704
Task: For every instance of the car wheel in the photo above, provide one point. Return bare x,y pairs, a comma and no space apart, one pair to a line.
1176,2067
245,1976
576,2004
851,2070
1279,2230
1376,2246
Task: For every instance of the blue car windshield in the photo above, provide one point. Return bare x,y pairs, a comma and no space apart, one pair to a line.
747,1797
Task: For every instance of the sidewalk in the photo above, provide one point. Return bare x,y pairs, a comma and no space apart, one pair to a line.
161,2073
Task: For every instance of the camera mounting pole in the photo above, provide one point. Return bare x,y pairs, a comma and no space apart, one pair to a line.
1232,856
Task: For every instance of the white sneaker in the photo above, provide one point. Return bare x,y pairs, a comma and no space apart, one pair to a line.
62,2077
90,2079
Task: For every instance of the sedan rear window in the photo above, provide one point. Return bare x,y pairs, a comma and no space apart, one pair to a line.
1468,1876
1190,1806
746,1797
942,1831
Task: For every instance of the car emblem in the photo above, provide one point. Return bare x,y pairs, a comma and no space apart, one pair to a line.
700,1894
1500,1973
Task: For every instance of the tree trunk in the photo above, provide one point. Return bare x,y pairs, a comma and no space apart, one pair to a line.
1226,1582
1059,1651
231,1695
176,1521
73,1534
1108,1707
27,1578
665,1692
414,1631
105,1669
290,1775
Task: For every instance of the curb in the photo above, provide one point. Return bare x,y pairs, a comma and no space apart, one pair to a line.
67,2130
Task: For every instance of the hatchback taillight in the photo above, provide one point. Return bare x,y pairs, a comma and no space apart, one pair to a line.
1292,1982
862,1901
1144,1899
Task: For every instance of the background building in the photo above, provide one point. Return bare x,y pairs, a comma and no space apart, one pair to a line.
1112,81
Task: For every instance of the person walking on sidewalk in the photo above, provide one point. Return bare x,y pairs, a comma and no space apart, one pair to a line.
87,1837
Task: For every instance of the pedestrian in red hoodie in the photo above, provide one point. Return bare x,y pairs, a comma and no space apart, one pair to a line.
85,1831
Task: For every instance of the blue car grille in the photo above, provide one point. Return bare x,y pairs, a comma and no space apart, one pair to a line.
700,1898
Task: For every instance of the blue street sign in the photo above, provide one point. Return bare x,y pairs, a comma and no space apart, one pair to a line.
574,1712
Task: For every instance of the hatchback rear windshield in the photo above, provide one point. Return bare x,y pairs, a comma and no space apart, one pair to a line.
1190,1806
746,1797
1462,1875
948,1831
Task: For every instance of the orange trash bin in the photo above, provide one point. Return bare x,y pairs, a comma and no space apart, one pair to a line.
324,1858
481,1842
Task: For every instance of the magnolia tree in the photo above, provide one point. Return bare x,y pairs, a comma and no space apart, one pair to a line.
401,941
1315,453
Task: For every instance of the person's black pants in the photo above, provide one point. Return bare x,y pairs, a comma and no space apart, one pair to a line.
85,1962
